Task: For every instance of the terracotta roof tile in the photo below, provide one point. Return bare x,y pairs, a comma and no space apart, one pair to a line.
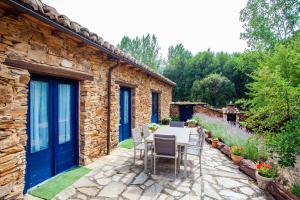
52,14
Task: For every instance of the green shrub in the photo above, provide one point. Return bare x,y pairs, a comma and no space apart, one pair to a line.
175,118
285,144
296,189
255,149
165,121
237,150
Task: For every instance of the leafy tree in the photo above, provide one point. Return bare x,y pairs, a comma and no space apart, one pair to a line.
144,49
215,89
177,65
274,95
268,21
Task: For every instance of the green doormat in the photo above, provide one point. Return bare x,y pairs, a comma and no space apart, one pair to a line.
57,184
128,144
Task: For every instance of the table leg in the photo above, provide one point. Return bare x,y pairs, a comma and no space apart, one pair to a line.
146,156
185,161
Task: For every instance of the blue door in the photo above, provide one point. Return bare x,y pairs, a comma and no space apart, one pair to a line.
186,112
155,107
52,126
125,114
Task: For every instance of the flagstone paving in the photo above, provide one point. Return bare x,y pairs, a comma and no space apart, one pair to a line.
115,177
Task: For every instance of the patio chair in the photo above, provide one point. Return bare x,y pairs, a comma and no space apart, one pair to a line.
178,124
146,131
138,143
196,136
165,147
195,149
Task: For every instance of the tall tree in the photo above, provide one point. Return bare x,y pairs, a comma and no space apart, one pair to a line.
215,89
269,21
177,64
144,49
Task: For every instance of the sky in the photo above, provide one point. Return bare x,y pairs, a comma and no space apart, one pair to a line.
198,24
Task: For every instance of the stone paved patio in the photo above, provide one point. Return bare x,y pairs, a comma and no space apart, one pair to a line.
115,177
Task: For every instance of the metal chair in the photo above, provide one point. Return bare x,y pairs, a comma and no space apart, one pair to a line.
146,131
138,142
178,124
195,149
165,147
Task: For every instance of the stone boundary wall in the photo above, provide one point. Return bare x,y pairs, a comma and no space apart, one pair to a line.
24,39
202,108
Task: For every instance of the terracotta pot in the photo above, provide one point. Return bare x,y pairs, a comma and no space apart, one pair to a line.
236,159
262,181
214,143
209,134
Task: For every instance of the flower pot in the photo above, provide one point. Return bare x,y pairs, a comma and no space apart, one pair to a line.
262,181
214,143
209,134
192,125
236,159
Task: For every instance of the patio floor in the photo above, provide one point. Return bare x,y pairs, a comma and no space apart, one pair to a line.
115,177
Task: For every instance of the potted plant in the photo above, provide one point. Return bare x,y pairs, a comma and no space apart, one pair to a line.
153,127
265,173
166,121
236,154
209,134
192,123
214,143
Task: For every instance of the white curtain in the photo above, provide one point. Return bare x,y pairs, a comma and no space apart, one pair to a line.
126,107
64,113
39,115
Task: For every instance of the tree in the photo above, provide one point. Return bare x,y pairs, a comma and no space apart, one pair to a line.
274,95
144,49
215,89
268,21
176,67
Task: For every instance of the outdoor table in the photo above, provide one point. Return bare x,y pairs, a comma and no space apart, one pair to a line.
182,139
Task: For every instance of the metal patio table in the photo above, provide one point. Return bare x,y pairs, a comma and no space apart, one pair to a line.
182,139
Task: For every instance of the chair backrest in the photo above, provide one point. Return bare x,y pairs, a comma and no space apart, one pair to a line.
146,131
176,124
136,136
165,145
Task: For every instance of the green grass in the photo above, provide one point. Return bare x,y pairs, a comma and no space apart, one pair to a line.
52,187
128,144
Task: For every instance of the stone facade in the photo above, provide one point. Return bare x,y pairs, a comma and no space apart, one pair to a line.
25,39
13,109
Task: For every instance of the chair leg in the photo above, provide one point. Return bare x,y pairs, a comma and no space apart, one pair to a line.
175,167
134,156
140,154
200,165
154,160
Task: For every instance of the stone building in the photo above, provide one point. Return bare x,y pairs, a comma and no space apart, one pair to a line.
66,95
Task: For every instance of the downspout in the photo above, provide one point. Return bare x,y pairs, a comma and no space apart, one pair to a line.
110,70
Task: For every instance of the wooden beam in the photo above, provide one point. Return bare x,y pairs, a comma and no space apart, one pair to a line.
125,84
49,70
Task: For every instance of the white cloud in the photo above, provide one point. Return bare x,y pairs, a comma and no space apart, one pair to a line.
198,24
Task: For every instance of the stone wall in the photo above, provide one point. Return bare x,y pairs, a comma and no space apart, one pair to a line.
208,111
13,109
34,42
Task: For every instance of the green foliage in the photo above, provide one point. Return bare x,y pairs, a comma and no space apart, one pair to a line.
296,189
285,144
165,121
185,69
266,21
274,95
215,90
144,49
175,118
255,149
237,150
